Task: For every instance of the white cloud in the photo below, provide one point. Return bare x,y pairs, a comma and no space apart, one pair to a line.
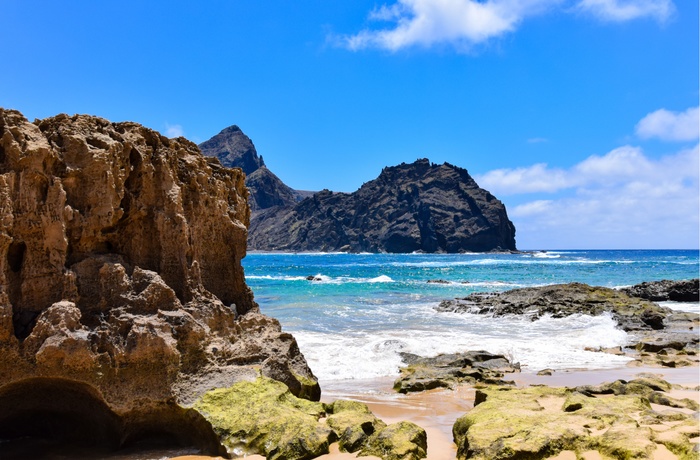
626,10
670,126
619,200
464,23
533,179
174,130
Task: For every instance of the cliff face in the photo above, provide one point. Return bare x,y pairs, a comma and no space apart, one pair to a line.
410,207
235,150
121,287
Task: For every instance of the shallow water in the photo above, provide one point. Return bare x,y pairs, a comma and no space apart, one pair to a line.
364,309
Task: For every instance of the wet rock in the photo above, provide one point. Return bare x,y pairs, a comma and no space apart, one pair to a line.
545,372
438,282
399,441
540,422
448,370
657,291
353,423
562,300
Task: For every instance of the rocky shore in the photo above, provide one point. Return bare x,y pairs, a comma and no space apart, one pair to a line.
125,319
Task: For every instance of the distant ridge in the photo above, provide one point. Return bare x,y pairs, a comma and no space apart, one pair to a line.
416,207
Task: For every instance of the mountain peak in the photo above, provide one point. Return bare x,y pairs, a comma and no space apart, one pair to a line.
234,150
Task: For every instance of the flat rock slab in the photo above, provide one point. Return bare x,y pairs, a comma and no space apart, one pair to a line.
542,422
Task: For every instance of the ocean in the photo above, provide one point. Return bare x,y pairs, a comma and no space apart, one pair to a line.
362,310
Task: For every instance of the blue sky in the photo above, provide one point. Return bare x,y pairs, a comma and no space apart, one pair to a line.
581,115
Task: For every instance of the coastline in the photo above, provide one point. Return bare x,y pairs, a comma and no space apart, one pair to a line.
437,410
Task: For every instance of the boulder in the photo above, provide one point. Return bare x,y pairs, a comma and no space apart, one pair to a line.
448,370
263,417
540,422
352,422
121,284
399,441
678,291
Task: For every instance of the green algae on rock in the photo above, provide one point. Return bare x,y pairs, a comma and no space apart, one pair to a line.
539,422
263,417
399,441
352,422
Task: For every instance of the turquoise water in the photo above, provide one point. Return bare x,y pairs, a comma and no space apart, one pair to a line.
368,307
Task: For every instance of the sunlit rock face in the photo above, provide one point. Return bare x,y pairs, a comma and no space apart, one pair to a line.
121,277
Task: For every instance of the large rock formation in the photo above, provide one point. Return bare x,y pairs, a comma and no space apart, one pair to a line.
235,150
561,300
122,297
410,207
664,290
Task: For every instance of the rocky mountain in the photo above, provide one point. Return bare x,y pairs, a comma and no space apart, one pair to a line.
235,150
410,207
122,296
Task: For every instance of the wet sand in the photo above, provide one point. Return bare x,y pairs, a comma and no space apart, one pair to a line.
437,410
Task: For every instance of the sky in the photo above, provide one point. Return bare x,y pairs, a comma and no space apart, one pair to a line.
580,115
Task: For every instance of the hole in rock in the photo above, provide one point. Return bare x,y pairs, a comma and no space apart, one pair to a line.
41,417
15,256
52,418
23,322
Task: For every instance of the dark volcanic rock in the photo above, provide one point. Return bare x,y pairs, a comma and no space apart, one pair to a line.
562,300
235,150
410,207
657,291
447,370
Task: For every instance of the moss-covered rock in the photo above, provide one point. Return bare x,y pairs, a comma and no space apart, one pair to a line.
352,422
263,417
399,441
539,422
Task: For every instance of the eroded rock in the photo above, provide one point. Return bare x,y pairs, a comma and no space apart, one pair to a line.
263,417
448,370
540,422
120,272
677,291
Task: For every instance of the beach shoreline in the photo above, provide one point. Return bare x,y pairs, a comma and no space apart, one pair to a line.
437,410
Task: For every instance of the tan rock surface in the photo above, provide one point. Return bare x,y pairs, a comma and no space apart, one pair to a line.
120,275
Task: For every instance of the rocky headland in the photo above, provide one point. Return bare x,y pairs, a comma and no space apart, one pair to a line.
416,207
122,296
410,207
